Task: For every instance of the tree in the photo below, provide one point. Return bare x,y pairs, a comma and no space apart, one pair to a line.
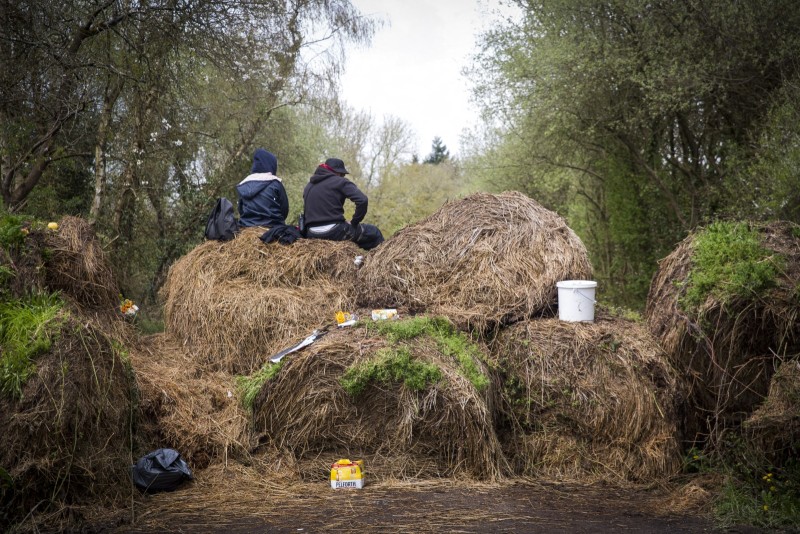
439,152
637,111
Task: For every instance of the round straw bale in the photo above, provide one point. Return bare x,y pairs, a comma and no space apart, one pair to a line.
482,261
437,429
728,345
587,401
234,304
187,407
67,440
77,266
773,430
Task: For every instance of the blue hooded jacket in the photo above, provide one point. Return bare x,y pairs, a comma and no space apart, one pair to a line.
262,197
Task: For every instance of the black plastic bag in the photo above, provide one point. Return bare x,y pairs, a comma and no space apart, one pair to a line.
160,470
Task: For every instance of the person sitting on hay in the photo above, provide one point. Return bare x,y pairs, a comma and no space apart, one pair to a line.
324,197
262,197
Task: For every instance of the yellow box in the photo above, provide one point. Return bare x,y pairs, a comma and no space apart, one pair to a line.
347,474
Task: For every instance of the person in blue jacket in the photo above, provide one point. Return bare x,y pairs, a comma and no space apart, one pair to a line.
262,197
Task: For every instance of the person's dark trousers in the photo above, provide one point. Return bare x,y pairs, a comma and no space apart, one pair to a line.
366,236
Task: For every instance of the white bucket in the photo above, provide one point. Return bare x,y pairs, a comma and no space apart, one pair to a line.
576,300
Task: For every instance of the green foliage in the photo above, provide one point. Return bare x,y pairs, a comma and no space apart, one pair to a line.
449,341
729,261
26,330
11,234
390,366
767,498
439,152
249,386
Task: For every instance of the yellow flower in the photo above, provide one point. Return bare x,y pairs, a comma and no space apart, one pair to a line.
695,457
772,488
53,225
766,507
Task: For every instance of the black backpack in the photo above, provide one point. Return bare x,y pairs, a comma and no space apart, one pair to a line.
221,223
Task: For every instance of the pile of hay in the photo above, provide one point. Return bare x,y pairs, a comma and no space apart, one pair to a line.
483,261
186,406
68,439
76,265
444,429
234,304
587,401
774,428
728,346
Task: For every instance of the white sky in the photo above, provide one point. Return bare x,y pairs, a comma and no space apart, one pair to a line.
413,68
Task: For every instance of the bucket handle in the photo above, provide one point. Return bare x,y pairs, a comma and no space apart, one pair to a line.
576,290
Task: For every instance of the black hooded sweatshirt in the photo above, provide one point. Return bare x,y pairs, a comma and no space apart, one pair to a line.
324,198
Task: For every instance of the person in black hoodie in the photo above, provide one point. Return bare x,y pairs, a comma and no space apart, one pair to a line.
324,197
262,197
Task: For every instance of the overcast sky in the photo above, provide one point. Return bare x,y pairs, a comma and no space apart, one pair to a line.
413,70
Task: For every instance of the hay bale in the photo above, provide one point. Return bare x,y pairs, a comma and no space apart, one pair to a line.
587,401
442,430
728,345
77,266
773,430
234,304
67,440
186,406
483,261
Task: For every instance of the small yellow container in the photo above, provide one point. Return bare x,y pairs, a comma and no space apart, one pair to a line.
347,474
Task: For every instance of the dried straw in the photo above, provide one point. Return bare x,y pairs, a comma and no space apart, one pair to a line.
483,261
234,304
67,440
444,430
78,267
187,406
729,349
773,430
587,401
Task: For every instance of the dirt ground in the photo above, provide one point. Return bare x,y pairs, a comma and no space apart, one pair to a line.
520,506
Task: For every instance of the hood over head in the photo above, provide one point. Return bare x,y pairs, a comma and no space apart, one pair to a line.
264,161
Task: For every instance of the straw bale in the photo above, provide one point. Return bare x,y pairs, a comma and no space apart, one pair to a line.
774,428
233,304
67,440
483,261
186,406
444,430
77,266
587,401
729,349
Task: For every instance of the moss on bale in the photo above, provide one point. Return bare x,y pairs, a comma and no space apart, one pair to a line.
483,261
729,336
587,401
234,304
428,428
